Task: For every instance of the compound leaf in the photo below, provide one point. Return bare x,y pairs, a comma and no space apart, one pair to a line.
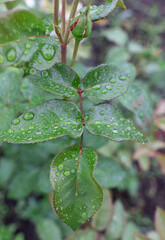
99,12
106,82
46,121
60,79
106,120
77,196
20,24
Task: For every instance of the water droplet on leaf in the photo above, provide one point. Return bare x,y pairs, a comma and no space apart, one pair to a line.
11,54
47,51
28,116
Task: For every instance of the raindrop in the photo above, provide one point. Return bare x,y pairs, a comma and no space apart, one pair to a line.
84,215
28,46
97,87
26,52
112,80
60,167
115,131
47,51
122,78
28,116
11,54
16,121
102,112
108,87
104,91
66,173
45,74
10,131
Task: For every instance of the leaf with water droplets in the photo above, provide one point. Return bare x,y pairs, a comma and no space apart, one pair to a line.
106,82
52,119
60,79
103,216
160,222
20,24
106,120
99,12
77,196
41,52
138,100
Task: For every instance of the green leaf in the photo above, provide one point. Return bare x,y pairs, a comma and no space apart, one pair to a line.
138,101
130,230
7,113
77,196
99,12
20,24
116,227
41,52
54,118
103,216
109,173
87,234
139,236
47,229
160,222
121,4
106,82
106,120
60,79
128,68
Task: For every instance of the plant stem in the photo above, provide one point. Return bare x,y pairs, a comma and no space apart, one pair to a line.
63,53
63,16
56,27
76,46
72,13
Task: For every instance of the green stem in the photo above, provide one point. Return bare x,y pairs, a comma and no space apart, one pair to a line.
72,13
76,46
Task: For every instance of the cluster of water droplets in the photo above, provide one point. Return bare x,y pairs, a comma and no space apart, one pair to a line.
107,121
60,79
106,82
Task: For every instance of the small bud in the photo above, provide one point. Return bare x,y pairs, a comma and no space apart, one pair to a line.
82,26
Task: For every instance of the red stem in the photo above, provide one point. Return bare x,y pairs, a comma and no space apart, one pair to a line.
63,53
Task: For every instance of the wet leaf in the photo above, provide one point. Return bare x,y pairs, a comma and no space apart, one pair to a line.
116,227
20,24
42,53
106,120
106,82
99,12
109,173
7,113
139,236
138,100
77,196
60,79
103,216
54,118
87,234
160,222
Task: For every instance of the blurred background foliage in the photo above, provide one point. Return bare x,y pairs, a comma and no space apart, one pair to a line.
133,173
